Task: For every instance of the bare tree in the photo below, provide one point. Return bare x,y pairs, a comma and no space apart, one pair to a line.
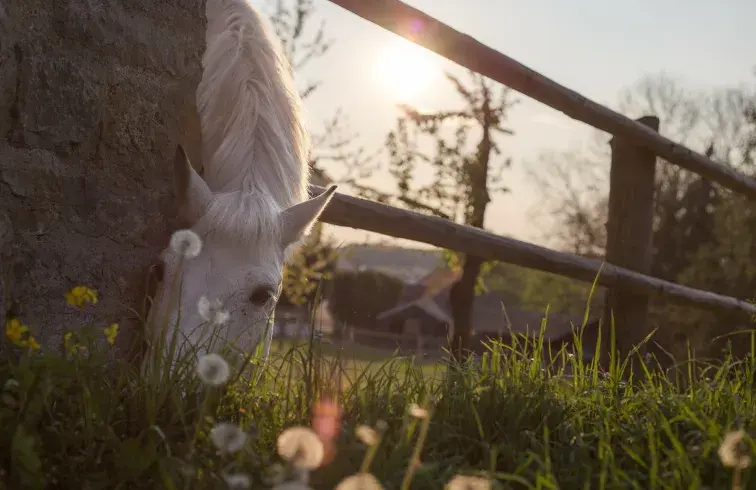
575,184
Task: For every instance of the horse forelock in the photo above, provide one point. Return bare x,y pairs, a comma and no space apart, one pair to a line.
243,220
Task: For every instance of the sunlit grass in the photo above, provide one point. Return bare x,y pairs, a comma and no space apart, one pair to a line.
74,419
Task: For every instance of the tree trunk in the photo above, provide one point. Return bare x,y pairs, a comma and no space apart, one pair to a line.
94,97
462,298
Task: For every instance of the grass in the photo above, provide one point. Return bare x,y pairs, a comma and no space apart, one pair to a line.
76,423
79,419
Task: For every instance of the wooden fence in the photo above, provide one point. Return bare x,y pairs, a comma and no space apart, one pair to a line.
635,146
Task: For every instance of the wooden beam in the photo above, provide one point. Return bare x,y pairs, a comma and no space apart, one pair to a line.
420,28
353,212
629,236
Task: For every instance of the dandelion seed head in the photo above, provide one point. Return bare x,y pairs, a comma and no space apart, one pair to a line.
462,482
237,481
301,447
213,370
732,451
360,481
186,243
228,438
212,311
417,411
367,435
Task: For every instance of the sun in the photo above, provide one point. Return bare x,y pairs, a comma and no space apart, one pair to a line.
406,70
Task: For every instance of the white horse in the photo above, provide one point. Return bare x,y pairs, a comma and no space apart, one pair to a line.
250,207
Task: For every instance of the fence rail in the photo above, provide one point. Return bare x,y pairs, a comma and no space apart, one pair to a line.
635,146
420,28
355,212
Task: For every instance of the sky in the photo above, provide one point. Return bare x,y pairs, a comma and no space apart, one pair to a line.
595,47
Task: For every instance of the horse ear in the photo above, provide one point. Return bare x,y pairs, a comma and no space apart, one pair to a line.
192,193
298,219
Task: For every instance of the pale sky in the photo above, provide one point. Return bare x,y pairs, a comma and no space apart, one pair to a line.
596,47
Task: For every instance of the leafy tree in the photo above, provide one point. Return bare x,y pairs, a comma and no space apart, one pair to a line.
466,169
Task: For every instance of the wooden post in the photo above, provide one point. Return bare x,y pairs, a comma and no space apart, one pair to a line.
629,239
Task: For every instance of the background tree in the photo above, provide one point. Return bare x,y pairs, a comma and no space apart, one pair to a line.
357,298
717,122
460,149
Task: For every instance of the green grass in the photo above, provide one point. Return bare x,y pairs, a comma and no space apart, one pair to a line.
80,423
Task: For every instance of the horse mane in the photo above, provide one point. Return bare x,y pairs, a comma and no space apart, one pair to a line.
253,136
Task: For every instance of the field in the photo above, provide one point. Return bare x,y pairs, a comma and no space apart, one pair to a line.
80,421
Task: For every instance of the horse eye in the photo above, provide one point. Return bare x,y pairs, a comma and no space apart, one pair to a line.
261,296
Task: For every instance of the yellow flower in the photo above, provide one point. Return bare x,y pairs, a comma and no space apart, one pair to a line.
14,330
81,295
111,332
31,342
70,345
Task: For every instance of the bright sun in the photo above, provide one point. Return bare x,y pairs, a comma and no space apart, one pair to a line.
406,70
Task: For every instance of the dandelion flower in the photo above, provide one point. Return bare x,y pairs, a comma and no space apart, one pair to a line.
71,346
186,243
110,333
417,411
367,435
14,330
732,452
237,481
360,481
213,370
228,438
212,311
31,342
81,295
301,447
462,482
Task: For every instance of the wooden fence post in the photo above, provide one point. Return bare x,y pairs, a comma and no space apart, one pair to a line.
629,238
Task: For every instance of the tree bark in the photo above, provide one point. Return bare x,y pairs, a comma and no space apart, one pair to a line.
462,299
94,97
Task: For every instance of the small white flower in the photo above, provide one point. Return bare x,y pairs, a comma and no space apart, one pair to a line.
186,243
212,311
462,482
237,481
367,435
417,411
213,370
732,452
11,384
301,447
228,438
360,481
